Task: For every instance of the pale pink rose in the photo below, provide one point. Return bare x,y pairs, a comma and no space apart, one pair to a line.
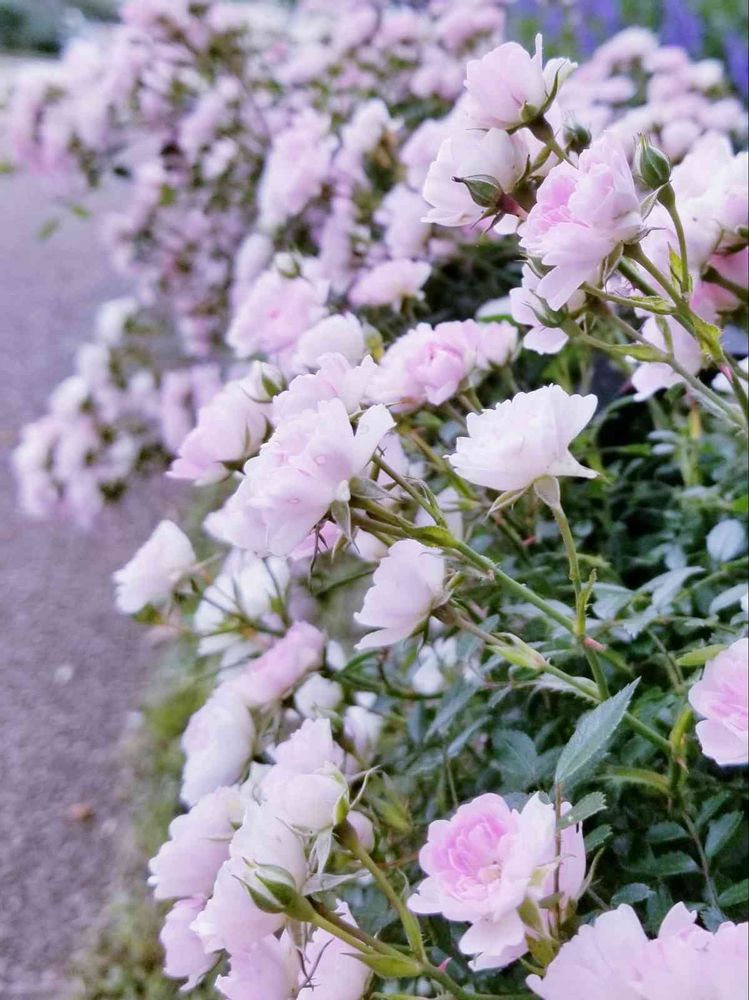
269,970
305,467
582,214
252,258
495,154
406,587
306,788
363,827
155,570
317,696
429,364
459,25
362,729
690,963
613,958
524,439
389,284
275,314
272,676
507,86
229,429
183,392
332,335
652,376
488,860
217,743
528,310
721,696
295,169
231,919
335,378
247,587
185,957
421,148
187,864
338,974
401,214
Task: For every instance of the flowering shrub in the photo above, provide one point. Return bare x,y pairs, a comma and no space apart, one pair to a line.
459,365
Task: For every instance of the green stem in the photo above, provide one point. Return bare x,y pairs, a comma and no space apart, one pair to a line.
518,589
421,501
346,834
634,278
580,626
705,864
577,683
354,936
699,388
668,200
716,278
736,383
635,253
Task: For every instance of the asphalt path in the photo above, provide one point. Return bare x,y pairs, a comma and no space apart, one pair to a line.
72,670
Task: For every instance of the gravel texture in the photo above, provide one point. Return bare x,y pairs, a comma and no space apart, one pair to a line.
71,669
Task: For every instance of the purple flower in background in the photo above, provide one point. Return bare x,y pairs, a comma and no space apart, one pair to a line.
681,26
737,57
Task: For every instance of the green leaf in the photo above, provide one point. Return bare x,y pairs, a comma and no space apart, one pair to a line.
663,833
667,865
588,806
699,657
453,702
665,587
635,892
391,966
47,229
80,211
735,895
726,540
712,806
709,337
464,736
593,733
517,758
720,832
637,776
653,304
596,838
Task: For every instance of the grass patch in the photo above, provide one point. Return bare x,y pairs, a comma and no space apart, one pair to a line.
122,960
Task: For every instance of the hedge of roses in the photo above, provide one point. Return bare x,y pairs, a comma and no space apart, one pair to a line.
448,335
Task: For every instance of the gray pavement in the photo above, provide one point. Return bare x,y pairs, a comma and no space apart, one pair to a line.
71,669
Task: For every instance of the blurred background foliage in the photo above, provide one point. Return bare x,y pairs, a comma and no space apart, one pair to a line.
711,28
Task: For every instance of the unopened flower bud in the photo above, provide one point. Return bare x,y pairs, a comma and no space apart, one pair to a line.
272,888
576,136
652,166
483,189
